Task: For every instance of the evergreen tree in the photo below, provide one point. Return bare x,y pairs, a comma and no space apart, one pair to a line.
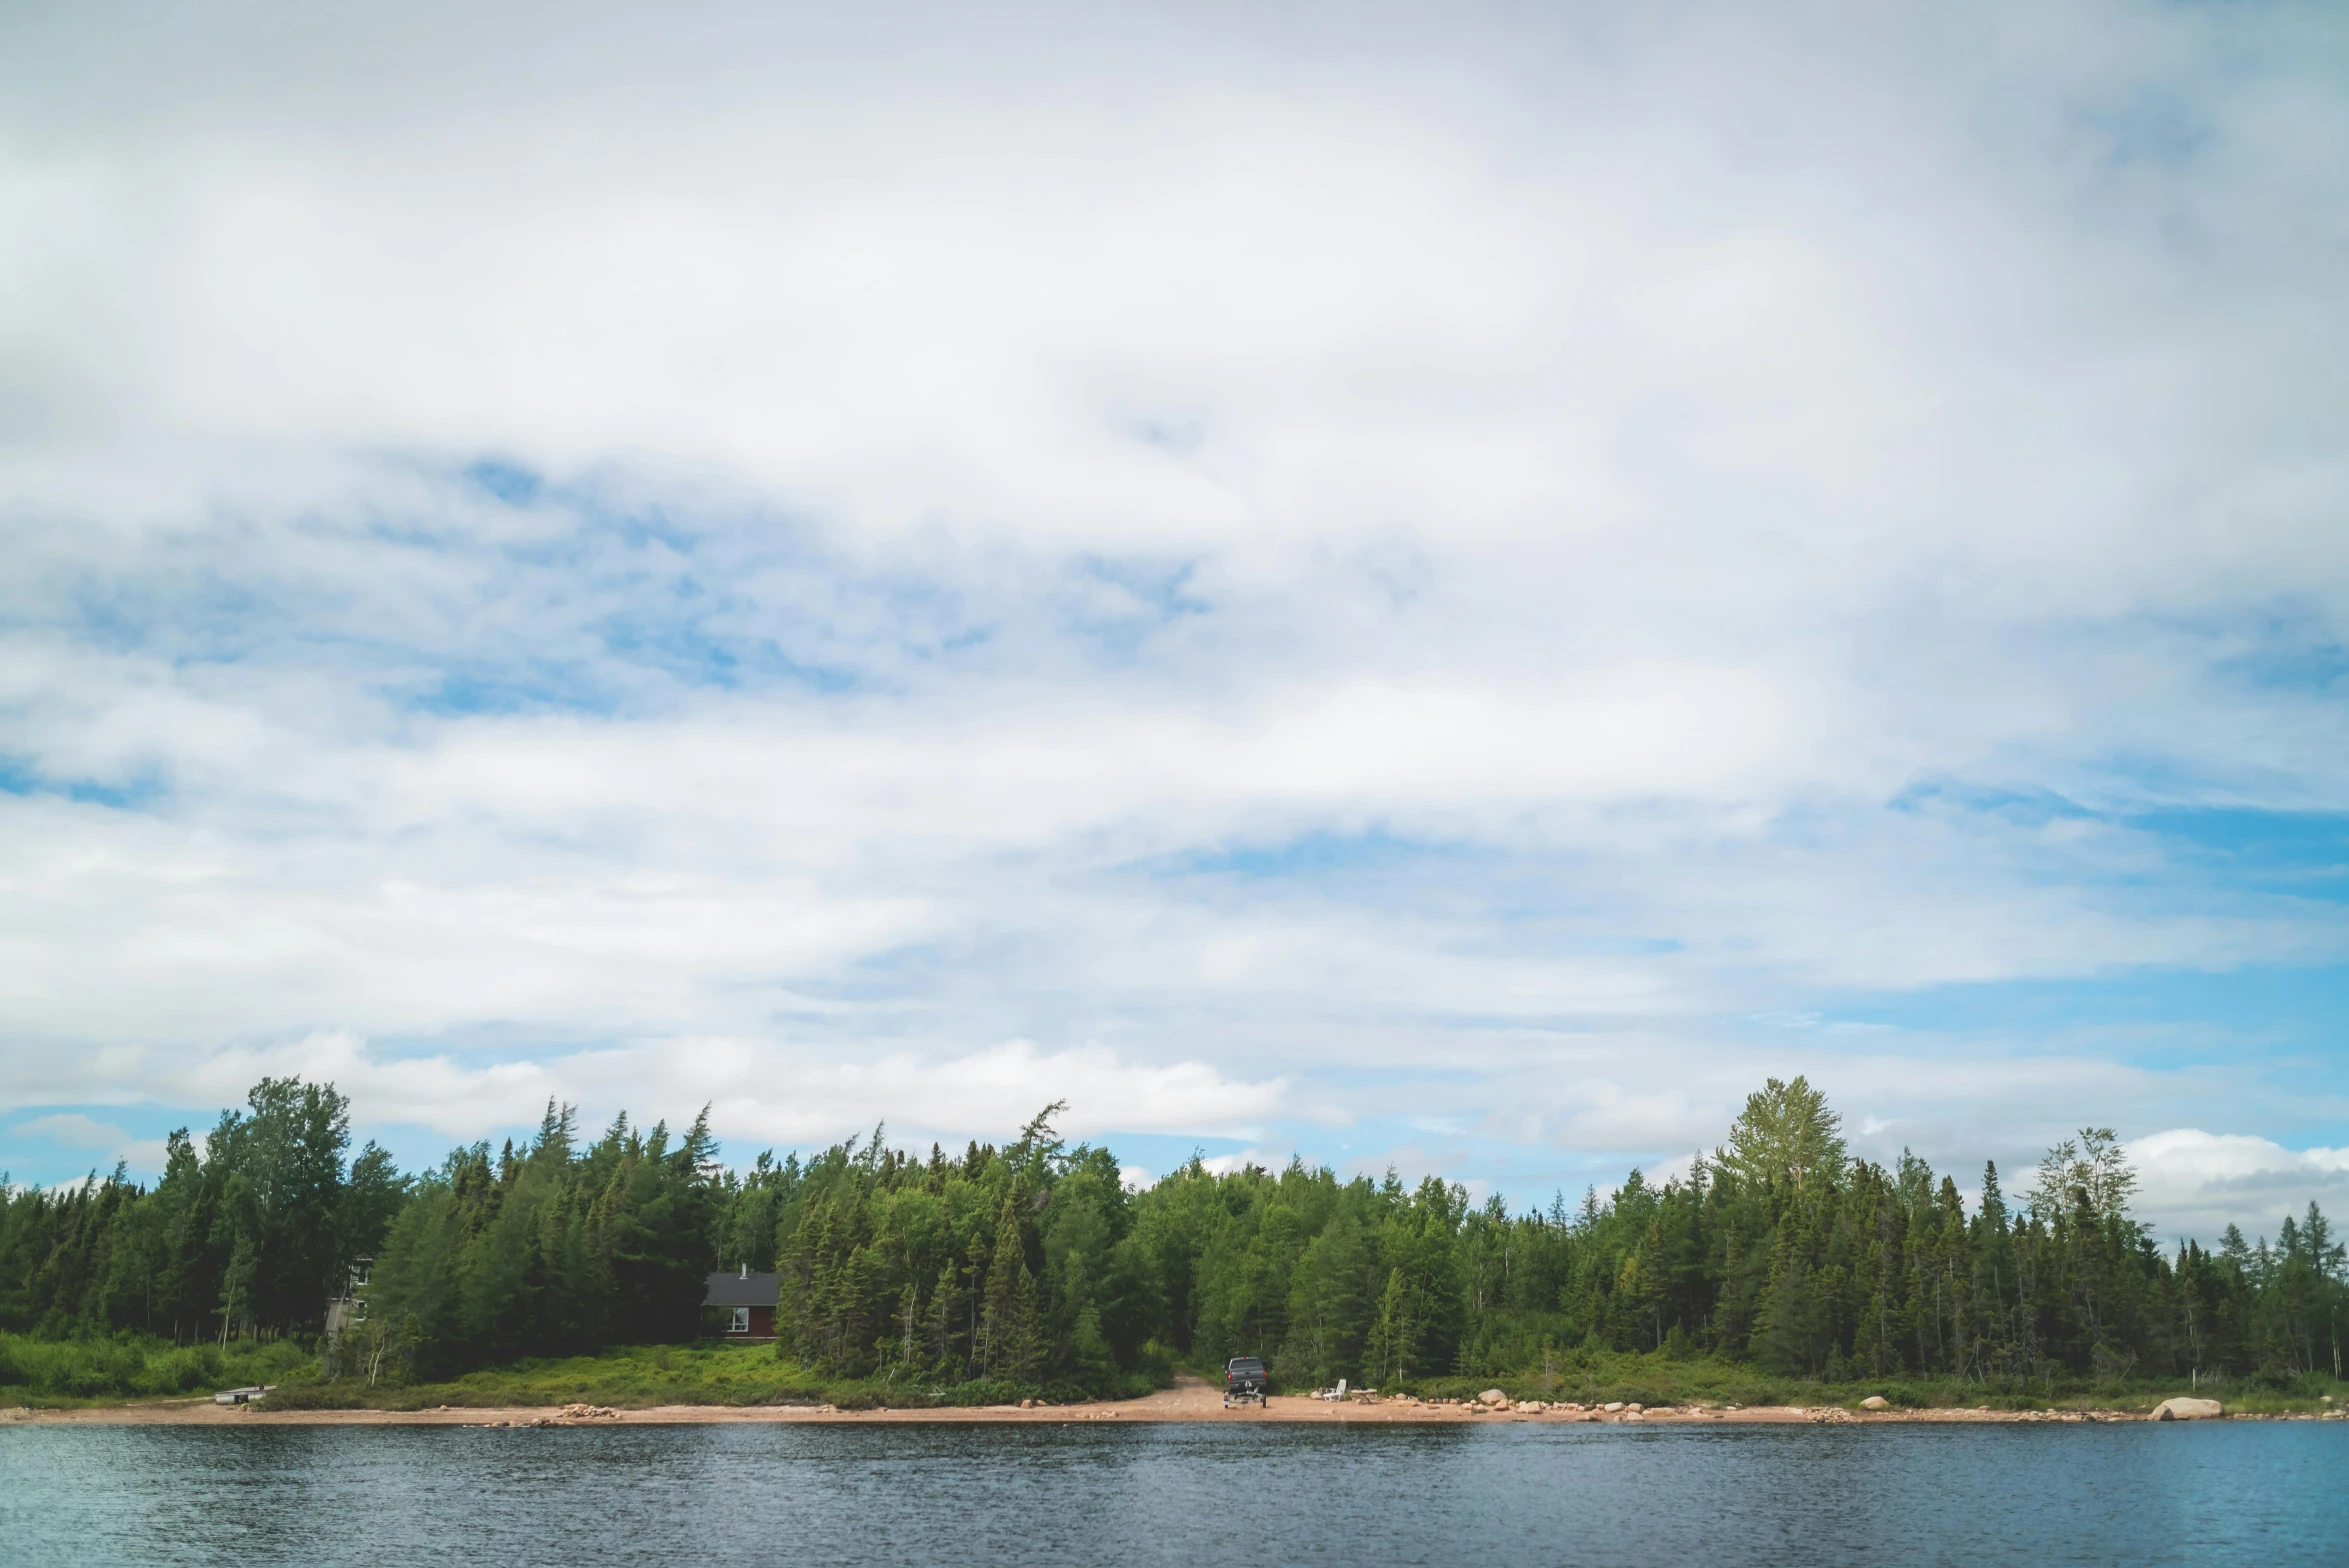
1786,1136
1034,1267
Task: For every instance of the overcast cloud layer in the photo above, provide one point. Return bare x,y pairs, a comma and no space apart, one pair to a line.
1436,590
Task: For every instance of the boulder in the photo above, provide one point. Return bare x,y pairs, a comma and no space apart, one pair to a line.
1875,1402
1635,1409
1612,1406
2183,1409
1492,1396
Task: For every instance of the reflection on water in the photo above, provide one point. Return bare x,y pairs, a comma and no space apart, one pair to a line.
1191,1495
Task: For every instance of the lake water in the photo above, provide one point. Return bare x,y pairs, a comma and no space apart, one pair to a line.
702,1496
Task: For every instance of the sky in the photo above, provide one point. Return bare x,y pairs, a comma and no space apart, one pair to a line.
1445,588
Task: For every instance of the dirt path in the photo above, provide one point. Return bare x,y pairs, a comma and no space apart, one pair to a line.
1191,1399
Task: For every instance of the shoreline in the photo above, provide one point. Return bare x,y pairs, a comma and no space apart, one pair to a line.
1190,1400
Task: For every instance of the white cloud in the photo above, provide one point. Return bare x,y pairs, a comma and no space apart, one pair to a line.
994,1090
1435,574
816,1097
146,1157
2195,1183
73,1129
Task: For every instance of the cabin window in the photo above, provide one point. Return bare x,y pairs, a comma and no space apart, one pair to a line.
741,1321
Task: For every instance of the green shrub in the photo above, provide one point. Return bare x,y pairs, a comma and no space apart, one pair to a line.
130,1366
319,1396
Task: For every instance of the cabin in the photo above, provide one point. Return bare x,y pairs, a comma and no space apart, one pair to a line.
743,1304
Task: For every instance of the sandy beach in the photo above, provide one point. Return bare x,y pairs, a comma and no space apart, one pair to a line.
1189,1400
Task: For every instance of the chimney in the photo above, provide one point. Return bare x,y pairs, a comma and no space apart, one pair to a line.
746,1271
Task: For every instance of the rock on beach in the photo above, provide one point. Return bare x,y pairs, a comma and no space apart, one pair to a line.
2184,1409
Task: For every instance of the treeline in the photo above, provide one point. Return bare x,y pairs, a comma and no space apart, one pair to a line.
1022,1266
1033,1266
1777,1250
559,1248
246,1238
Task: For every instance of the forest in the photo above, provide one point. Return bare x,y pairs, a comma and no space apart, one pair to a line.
1032,1267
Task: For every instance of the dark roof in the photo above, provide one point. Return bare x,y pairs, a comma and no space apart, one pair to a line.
734,1288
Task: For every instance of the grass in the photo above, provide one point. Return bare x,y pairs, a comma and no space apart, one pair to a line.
628,1377
1655,1379
637,1376
68,1372
129,1368
64,1373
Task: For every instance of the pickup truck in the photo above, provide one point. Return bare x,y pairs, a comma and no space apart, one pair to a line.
1244,1379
